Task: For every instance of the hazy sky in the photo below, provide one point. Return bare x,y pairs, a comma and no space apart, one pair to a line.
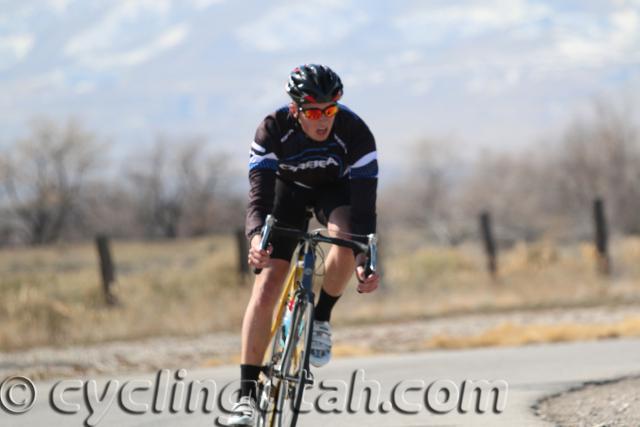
499,73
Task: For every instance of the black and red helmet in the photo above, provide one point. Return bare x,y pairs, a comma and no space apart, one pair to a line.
314,83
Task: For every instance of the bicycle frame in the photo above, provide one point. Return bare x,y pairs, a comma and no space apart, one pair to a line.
298,290
301,272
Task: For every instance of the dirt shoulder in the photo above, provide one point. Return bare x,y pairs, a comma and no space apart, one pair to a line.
611,403
509,328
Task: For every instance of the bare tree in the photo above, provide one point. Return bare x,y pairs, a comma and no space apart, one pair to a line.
175,184
43,176
511,188
550,187
109,208
425,198
600,157
545,188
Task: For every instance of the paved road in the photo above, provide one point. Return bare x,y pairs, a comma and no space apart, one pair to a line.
531,372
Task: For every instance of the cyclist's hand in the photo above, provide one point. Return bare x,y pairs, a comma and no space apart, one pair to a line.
365,284
259,258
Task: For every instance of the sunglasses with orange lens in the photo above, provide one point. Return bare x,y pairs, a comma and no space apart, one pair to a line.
316,113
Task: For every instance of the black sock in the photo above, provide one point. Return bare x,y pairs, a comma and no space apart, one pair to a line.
248,379
325,304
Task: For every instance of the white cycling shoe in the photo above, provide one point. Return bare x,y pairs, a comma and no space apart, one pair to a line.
320,344
244,413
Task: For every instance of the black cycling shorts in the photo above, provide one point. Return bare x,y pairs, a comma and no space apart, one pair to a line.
290,207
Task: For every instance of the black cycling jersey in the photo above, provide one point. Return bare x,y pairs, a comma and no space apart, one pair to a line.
282,149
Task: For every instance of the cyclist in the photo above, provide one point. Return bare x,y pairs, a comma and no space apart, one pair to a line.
314,153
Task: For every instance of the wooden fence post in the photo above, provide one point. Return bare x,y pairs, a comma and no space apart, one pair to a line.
601,238
107,269
489,243
243,250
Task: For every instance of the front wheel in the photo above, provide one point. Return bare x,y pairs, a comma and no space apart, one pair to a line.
295,367
269,383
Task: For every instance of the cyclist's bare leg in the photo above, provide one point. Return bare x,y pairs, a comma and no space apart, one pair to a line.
256,325
340,263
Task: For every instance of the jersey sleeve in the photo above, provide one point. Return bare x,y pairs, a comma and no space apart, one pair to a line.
263,164
363,176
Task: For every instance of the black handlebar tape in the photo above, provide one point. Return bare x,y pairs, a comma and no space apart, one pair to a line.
257,271
367,270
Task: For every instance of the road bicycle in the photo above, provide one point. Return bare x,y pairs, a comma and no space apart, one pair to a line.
285,373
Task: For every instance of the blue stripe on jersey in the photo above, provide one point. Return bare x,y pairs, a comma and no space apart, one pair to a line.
271,164
370,170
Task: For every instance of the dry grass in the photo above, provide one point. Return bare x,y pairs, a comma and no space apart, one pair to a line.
52,295
347,350
512,335
425,282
